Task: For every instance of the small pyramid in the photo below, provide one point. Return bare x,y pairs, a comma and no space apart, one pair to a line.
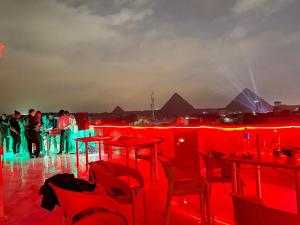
118,110
246,101
177,105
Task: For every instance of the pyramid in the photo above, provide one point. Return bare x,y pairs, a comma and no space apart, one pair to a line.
176,106
118,111
246,101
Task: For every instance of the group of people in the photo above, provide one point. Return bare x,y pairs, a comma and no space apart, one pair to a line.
35,129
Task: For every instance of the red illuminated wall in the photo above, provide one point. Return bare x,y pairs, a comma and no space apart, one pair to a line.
226,139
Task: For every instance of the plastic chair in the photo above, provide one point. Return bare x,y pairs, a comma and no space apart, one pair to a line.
147,153
250,211
185,181
107,175
102,218
217,170
74,202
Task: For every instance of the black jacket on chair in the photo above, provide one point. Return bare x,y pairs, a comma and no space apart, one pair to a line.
65,181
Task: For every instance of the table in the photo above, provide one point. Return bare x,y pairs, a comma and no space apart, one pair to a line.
268,160
135,142
87,140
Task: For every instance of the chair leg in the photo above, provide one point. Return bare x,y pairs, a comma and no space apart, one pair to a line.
151,169
201,208
133,213
136,162
168,207
207,206
145,208
209,189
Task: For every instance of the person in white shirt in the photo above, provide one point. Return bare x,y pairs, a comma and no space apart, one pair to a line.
64,125
69,138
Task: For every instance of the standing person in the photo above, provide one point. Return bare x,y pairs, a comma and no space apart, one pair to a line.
39,128
71,130
15,131
23,124
4,128
63,124
51,124
32,134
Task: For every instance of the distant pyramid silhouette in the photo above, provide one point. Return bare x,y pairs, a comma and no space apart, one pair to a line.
246,102
176,106
118,110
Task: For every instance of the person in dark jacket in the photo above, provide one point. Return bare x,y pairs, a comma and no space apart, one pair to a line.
39,128
32,134
15,131
4,129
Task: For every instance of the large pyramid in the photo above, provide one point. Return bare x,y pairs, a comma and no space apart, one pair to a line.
118,111
247,101
177,106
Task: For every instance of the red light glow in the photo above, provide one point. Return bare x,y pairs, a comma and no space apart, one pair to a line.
225,138
1,49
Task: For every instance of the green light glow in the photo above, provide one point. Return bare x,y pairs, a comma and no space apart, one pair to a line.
23,154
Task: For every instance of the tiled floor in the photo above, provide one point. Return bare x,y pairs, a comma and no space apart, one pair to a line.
23,178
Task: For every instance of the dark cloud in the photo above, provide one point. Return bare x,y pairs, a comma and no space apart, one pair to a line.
92,55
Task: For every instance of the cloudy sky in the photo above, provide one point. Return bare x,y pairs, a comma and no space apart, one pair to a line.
90,55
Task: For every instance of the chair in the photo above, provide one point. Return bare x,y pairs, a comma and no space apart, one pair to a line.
183,171
73,202
249,211
107,175
217,170
147,153
185,181
102,218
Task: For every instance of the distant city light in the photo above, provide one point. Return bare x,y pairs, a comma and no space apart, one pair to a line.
1,49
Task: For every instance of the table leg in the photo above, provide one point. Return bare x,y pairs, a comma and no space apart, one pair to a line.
86,155
127,156
234,178
258,183
47,145
77,156
155,162
109,153
99,150
297,182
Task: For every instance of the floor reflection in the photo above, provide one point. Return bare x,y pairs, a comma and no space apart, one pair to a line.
23,178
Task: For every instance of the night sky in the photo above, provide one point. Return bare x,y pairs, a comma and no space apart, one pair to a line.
91,55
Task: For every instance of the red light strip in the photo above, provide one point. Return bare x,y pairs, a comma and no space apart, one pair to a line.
204,127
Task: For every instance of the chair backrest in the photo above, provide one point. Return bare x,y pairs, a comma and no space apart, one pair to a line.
186,147
74,202
213,161
109,176
102,173
253,212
